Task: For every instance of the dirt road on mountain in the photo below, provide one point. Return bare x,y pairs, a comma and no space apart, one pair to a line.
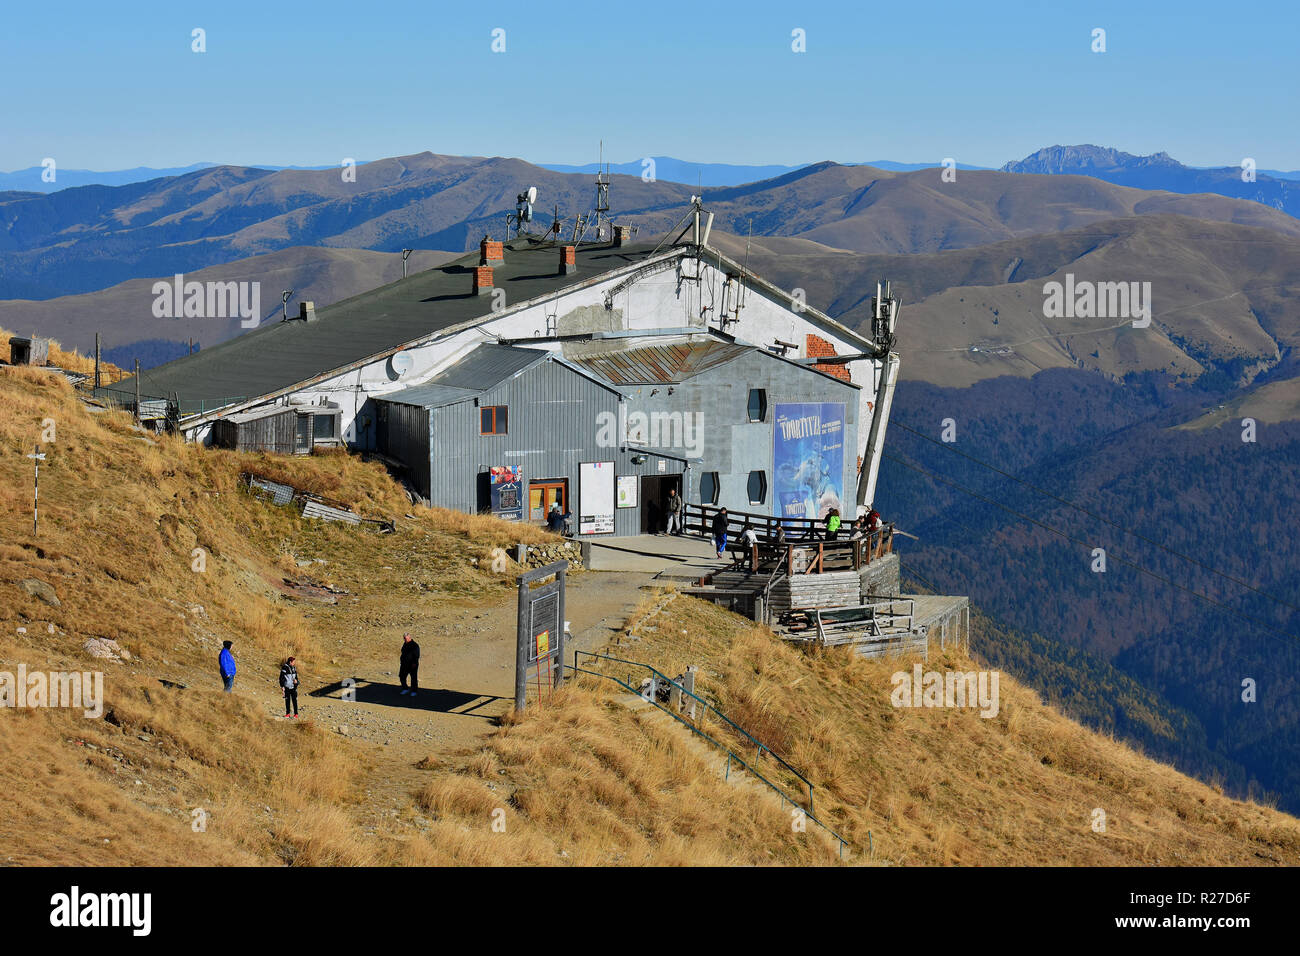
467,659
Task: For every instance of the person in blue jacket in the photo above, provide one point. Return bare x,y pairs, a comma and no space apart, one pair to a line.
226,661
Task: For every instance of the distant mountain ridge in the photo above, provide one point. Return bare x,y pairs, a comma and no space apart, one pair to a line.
80,240
1161,171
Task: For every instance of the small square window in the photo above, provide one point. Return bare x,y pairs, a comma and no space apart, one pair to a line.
757,487
710,487
493,420
757,404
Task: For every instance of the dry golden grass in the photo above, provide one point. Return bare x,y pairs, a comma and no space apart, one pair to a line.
122,514
942,786
586,780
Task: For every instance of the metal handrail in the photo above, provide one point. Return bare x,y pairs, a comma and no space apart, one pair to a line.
731,754
762,747
772,578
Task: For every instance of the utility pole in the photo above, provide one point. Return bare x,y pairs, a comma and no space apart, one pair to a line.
137,391
96,360
39,457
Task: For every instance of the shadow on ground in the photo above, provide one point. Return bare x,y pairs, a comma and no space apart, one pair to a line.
439,700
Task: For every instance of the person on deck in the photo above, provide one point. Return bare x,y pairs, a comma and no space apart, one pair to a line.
719,528
832,524
410,665
749,538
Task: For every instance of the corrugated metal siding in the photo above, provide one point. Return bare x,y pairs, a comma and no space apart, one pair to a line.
732,445
403,434
663,364
553,415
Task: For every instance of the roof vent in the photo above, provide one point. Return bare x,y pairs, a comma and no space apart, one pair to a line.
307,311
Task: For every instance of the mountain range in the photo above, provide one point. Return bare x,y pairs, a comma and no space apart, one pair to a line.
1141,428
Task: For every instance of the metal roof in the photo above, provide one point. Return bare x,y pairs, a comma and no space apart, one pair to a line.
486,367
659,364
279,354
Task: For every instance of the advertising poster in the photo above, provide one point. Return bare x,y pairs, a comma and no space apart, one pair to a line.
808,459
507,483
627,485
596,497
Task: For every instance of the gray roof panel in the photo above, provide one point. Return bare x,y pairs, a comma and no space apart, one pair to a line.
279,354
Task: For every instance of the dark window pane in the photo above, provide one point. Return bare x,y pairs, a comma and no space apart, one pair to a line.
485,420
757,404
709,488
501,428
757,487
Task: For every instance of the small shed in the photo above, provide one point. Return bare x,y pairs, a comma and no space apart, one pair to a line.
281,429
29,351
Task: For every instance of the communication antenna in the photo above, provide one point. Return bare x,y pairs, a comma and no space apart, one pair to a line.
523,211
284,302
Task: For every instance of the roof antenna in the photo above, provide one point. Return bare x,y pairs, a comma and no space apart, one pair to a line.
284,302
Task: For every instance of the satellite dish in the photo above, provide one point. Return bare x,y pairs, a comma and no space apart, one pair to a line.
400,363
532,194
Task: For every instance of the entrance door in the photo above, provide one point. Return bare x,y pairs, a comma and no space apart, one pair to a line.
542,494
654,501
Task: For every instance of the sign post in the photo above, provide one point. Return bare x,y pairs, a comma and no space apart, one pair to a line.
36,491
540,640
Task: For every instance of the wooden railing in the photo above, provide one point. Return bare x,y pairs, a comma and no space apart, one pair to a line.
804,549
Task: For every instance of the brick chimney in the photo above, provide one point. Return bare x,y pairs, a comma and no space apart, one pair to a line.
622,235
491,253
568,260
483,279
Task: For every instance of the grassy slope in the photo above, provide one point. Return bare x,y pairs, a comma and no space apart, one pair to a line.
585,781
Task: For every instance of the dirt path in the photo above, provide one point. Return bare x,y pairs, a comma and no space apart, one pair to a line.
466,679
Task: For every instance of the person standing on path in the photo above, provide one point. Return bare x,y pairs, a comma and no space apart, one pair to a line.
226,664
289,682
410,664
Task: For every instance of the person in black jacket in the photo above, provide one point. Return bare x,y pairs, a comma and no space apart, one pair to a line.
410,665
289,683
719,529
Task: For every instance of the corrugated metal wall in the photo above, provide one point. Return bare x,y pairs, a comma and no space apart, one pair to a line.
554,426
555,418
732,445
403,433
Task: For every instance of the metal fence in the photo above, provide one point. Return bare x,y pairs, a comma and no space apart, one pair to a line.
707,708
157,406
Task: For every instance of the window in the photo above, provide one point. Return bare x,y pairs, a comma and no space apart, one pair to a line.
757,404
757,487
493,420
709,488
325,427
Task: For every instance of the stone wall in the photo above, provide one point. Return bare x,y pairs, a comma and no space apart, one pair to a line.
881,577
538,557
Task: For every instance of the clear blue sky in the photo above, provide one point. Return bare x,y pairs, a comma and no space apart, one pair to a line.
115,85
